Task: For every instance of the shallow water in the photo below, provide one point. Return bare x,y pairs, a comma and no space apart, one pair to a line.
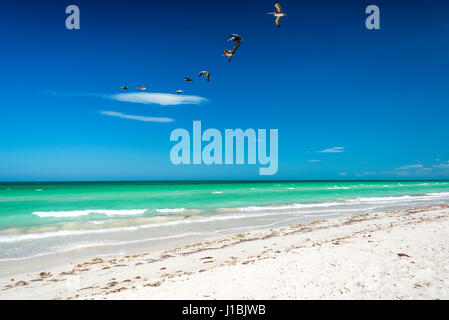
45,219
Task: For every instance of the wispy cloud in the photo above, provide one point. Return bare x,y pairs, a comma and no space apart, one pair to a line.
71,94
136,117
163,99
367,173
333,150
410,166
442,166
314,160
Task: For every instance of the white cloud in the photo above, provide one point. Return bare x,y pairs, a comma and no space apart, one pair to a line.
442,166
333,150
163,99
410,166
362,174
135,117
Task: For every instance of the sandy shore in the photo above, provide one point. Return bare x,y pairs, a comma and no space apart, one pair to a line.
394,255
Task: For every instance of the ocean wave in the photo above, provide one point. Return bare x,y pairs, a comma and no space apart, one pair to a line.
79,213
394,199
427,196
342,206
180,235
12,238
438,194
380,199
174,210
289,206
338,188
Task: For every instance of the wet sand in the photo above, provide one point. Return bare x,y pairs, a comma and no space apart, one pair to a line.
398,254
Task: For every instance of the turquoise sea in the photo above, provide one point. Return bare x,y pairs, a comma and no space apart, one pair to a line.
41,219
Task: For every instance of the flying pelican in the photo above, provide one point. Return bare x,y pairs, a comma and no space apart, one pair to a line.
237,39
179,91
207,73
188,79
278,14
141,88
228,53
124,87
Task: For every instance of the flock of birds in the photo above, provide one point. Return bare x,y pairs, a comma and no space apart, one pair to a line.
278,14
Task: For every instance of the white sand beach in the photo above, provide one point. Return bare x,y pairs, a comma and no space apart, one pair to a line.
399,254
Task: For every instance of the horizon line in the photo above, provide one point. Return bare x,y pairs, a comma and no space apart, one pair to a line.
220,181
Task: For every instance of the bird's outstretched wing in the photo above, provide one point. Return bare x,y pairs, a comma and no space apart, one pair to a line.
278,7
237,45
278,22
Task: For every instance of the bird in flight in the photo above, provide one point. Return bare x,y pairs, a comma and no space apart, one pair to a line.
278,14
141,88
237,39
124,87
188,79
179,91
207,73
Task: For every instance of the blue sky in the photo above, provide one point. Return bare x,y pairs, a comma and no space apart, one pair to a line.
375,101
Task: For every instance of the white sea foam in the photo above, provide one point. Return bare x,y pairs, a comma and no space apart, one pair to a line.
338,188
78,213
380,199
438,194
429,196
289,206
98,222
71,233
174,210
235,213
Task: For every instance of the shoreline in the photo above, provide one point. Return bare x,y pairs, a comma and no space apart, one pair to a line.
328,259
44,225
